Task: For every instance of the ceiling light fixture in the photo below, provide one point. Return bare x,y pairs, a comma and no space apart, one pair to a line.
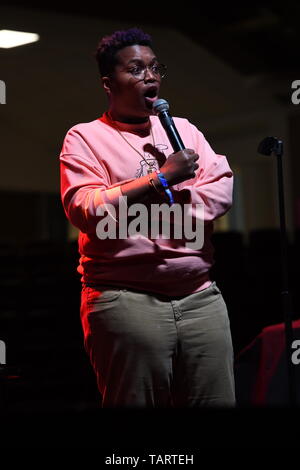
10,38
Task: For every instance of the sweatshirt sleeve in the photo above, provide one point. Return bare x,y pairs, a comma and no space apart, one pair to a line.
213,183
85,183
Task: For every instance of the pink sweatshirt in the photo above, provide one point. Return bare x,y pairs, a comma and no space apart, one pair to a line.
95,161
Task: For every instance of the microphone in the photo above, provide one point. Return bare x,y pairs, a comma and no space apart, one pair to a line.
161,109
269,145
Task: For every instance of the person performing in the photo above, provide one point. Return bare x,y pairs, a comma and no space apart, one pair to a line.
156,327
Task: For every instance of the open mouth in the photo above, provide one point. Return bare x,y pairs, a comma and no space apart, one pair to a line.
150,95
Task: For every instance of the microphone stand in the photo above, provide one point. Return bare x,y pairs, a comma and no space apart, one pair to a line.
268,146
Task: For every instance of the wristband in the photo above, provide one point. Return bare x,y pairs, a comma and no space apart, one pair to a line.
165,185
151,182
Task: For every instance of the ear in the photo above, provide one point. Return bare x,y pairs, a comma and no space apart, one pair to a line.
106,83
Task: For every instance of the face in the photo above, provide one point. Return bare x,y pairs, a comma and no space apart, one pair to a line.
131,97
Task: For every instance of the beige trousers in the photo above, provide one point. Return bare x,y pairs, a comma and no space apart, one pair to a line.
158,351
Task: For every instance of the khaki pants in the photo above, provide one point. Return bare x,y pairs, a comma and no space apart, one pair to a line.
156,351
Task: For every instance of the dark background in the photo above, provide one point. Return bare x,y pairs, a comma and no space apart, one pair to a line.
47,370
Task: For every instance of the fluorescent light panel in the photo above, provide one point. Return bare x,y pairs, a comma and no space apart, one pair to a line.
10,38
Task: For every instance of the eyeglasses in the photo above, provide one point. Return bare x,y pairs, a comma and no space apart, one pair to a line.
139,71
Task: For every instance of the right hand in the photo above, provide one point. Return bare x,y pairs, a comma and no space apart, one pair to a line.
180,166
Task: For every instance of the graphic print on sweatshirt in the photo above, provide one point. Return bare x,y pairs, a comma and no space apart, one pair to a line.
155,158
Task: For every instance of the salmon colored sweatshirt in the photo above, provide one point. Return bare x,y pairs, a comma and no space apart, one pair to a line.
95,161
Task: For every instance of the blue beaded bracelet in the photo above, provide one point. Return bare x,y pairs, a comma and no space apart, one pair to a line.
165,184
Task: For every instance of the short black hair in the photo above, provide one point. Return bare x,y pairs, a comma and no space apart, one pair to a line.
109,46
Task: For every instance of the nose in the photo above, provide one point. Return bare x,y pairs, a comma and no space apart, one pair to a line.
152,75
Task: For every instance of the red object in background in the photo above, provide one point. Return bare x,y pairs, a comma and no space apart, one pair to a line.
261,369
